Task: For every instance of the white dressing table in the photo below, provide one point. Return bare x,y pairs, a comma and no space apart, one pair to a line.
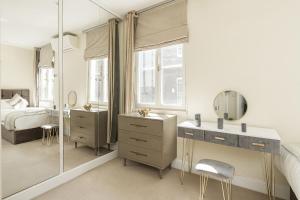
256,139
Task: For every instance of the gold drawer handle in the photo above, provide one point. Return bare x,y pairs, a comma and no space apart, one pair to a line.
220,138
81,127
138,154
138,140
258,144
138,125
80,117
191,134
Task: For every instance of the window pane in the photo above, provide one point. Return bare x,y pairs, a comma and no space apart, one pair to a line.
172,83
46,86
146,76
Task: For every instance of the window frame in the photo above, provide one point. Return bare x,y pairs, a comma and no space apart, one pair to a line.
48,103
158,82
96,103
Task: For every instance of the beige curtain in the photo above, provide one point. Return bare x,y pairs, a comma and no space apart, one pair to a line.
113,81
162,25
46,56
129,72
36,62
96,43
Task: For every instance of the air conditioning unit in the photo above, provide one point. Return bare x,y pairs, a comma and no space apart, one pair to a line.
70,42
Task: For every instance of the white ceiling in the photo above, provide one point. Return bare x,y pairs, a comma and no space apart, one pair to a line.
32,23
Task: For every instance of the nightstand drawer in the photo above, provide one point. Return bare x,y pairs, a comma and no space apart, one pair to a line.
191,133
86,129
259,144
221,138
141,140
139,154
142,125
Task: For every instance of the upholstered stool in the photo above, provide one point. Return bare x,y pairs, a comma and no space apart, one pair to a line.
49,132
216,169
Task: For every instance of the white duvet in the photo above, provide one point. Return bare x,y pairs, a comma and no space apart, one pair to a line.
290,165
21,119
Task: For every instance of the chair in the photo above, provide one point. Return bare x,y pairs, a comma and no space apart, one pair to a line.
219,170
50,131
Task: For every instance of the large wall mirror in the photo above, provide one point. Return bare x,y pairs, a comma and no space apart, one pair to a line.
230,105
29,94
86,73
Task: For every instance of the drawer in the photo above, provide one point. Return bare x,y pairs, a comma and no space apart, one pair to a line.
82,138
221,138
190,133
260,144
142,125
141,140
82,117
138,154
86,129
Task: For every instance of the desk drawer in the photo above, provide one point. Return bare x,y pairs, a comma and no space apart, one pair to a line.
221,138
259,144
142,125
139,154
191,133
141,140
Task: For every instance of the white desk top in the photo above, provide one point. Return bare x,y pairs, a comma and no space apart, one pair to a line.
265,133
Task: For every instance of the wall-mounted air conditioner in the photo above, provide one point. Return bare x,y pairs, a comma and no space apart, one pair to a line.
70,42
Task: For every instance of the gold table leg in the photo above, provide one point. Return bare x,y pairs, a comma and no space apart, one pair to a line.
269,175
187,156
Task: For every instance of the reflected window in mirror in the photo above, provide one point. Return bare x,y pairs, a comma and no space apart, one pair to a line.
46,86
160,77
98,81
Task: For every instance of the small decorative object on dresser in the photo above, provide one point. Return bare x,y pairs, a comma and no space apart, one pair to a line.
89,128
150,140
220,123
144,112
198,119
244,127
87,107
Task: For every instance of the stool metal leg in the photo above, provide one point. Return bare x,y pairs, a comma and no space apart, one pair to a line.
44,137
226,189
203,185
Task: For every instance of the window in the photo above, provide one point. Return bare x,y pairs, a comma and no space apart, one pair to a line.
160,77
46,85
98,81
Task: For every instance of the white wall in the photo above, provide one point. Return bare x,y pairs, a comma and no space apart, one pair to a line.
252,47
75,73
17,70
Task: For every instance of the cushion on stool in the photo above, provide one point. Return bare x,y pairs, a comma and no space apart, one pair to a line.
216,168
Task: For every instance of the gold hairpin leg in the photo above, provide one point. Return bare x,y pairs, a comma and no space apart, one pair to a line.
187,155
269,171
226,189
203,185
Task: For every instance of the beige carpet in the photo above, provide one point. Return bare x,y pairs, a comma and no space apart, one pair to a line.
27,164
112,181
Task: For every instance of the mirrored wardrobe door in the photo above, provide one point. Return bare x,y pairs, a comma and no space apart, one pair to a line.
85,68
29,93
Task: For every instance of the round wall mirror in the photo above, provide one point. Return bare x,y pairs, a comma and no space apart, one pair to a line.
230,105
72,98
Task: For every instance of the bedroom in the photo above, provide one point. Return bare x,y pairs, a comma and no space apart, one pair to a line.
246,46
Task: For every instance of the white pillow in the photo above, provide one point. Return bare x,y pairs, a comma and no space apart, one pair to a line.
5,104
23,103
16,99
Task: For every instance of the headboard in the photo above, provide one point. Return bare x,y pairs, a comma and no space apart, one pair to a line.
9,93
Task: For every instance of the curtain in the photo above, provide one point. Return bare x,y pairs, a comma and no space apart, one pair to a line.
46,56
163,25
36,76
113,81
96,43
129,72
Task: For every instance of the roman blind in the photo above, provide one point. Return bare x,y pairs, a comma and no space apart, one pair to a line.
96,43
46,56
162,25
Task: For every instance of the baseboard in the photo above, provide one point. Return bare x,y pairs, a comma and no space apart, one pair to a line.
56,181
282,191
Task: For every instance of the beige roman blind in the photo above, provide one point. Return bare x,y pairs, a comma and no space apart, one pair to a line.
162,25
46,56
96,43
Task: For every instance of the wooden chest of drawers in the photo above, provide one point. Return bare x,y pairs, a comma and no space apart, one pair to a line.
149,140
89,128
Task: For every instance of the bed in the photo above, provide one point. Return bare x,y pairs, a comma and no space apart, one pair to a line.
290,167
21,125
